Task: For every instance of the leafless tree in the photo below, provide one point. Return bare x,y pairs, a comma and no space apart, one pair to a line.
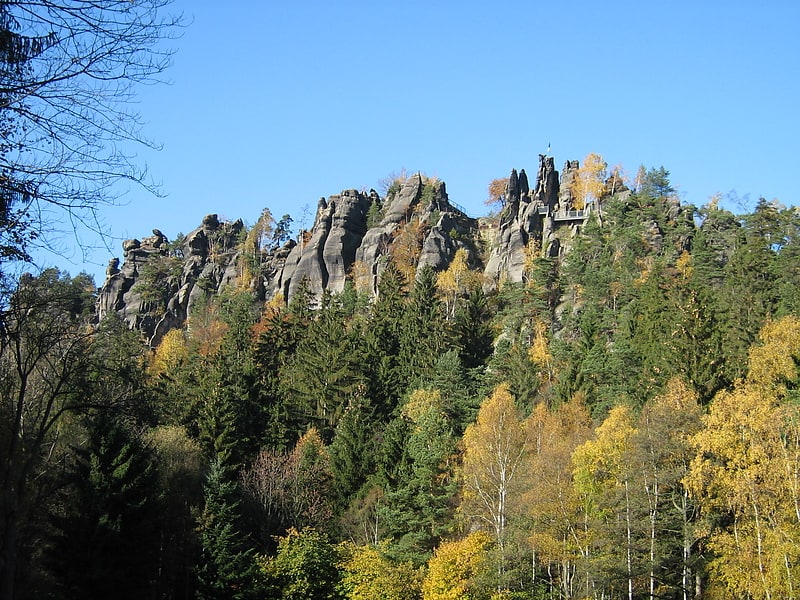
69,70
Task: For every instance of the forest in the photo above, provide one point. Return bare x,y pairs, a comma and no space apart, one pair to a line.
623,423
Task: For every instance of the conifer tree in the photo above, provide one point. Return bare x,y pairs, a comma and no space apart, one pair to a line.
108,531
227,566
382,340
322,374
418,506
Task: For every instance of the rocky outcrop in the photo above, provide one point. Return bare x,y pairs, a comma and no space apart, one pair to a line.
353,236
159,282
326,257
342,238
154,289
527,223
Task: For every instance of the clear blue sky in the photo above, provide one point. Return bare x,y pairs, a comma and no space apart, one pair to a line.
275,104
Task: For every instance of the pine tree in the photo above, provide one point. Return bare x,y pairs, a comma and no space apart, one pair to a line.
382,339
106,542
227,566
419,502
322,374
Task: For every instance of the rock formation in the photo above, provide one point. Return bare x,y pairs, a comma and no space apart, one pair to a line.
158,282
527,223
353,233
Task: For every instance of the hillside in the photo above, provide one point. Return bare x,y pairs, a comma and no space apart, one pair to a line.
590,393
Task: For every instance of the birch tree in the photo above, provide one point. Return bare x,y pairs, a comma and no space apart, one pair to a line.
495,449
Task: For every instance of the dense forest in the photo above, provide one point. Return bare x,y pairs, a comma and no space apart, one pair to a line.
622,423
618,419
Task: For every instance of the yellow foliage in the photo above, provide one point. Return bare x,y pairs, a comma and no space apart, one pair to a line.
552,505
457,280
589,182
406,248
772,364
171,353
497,191
368,574
495,459
456,568
645,266
361,275
539,352
532,251
180,458
684,265
747,466
420,403
599,463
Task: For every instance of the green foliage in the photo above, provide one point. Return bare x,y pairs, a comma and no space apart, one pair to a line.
369,574
322,374
305,567
227,567
353,417
419,497
374,214
157,280
107,531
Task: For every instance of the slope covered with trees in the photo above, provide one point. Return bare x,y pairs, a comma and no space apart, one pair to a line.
621,422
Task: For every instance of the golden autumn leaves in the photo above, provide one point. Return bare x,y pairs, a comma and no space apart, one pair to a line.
604,508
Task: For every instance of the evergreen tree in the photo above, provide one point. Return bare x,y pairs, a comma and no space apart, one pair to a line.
471,330
322,374
277,336
419,499
353,449
227,566
381,347
106,541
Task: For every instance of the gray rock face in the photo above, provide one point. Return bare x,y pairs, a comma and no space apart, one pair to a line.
341,238
526,221
568,174
326,258
157,284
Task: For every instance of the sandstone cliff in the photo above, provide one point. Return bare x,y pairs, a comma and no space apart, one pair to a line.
353,235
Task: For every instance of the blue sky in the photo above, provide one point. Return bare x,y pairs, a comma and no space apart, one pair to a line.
275,104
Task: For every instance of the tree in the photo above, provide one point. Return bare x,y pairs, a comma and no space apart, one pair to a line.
603,483
418,504
497,192
45,362
457,281
589,182
458,569
495,448
422,333
305,567
322,374
556,519
382,338
310,495
369,574
68,72
406,246
745,473
227,566
661,451
109,532
291,490
352,450
181,474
